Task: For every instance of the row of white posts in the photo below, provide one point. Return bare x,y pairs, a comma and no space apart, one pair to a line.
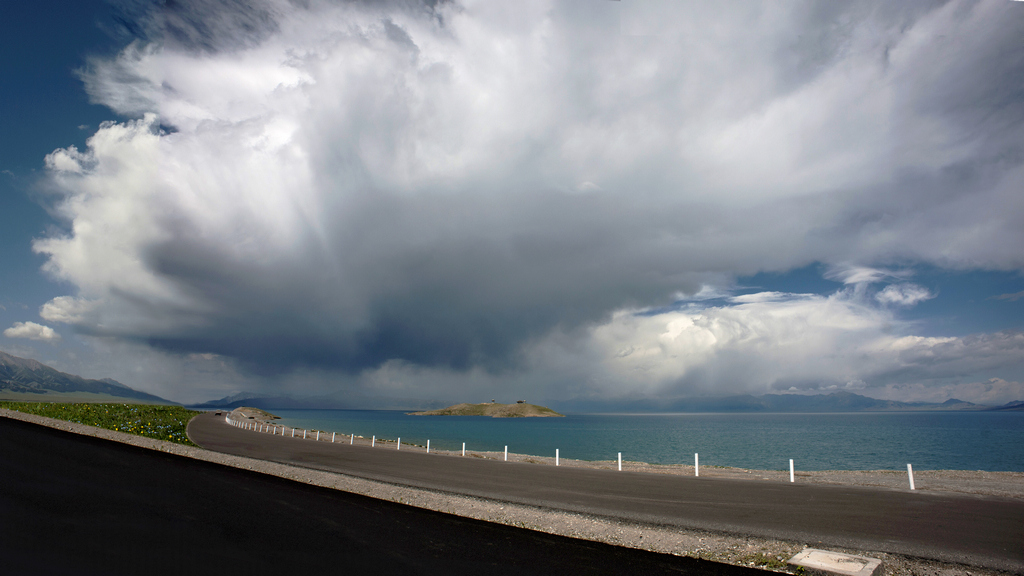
373,443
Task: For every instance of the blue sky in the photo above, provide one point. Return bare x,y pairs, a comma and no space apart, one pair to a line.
561,200
43,105
965,301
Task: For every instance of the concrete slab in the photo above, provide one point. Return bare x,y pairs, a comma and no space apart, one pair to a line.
825,563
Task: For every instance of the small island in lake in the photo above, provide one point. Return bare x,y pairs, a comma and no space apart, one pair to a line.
492,409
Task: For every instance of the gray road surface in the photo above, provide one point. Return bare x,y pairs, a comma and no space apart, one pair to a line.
977,530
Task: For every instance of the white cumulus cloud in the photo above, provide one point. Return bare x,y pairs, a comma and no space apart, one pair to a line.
32,331
66,309
906,294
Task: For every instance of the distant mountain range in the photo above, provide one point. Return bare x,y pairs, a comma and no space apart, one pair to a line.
834,402
1017,406
25,379
264,402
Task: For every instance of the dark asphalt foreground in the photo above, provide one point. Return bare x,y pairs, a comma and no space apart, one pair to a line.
982,531
73,504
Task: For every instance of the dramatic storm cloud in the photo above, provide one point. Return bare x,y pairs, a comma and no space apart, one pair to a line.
539,192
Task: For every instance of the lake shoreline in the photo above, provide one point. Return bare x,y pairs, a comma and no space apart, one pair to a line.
978,482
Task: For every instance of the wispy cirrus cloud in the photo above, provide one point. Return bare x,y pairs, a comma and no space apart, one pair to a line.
1009,297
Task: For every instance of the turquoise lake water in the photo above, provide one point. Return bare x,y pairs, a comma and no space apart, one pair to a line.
990,441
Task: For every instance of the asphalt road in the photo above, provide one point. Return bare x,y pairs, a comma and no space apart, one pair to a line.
977,530
73,504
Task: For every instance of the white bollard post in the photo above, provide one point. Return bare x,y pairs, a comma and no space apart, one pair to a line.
506,453
556,456
304,434
317,435
333,434
620,461
293,432
373,442
910,474
791,479
352,439
463,448
399,443
696,464
428,446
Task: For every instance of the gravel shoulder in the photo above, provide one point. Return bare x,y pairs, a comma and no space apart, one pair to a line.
730,548
1006,484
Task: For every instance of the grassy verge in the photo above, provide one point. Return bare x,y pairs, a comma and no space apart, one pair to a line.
159,422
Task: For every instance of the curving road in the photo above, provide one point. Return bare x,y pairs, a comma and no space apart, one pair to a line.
73,504
976,530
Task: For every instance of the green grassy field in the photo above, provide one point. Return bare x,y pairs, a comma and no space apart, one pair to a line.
160,422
